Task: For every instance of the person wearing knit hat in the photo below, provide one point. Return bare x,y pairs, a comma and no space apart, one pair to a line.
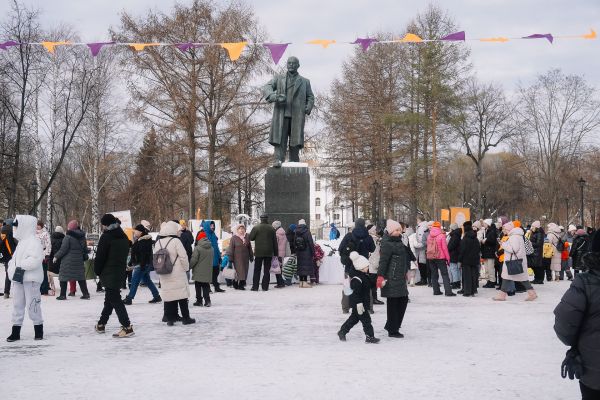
146,224
72,254
536,260
577,324
141,261
489,247
7,248
488,222
572,228
108,219
302,222
439,258
470,260
580,245
392,226
453,226
394,263
454,269
304,248
360,299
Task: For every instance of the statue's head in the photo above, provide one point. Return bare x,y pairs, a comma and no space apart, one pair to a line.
293,64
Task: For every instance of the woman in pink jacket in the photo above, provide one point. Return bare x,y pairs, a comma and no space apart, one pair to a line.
439,258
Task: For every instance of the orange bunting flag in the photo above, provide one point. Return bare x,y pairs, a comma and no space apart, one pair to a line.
51,45
322,42
591,35
234,49
411,38
142,46
495,39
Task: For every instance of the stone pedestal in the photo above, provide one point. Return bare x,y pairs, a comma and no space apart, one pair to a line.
287,194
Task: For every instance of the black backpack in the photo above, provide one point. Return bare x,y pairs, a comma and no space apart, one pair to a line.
299,243
349,248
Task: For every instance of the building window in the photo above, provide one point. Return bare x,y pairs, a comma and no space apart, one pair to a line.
336,202
336,186
318,202
318,217
336,217
318,186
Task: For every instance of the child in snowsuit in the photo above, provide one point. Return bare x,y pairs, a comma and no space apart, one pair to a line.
360,300
27,274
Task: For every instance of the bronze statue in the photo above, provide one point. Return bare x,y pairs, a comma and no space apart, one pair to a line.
293,99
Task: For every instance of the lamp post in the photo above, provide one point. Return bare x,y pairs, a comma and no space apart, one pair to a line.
582,183
483,210
342,207
34,186
567,204
375,205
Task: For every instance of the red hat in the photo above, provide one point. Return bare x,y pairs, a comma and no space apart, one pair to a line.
436,224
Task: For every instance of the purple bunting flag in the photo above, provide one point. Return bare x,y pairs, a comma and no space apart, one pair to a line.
186,46
277,50
541,36
95,47
8,44
365,42
455,36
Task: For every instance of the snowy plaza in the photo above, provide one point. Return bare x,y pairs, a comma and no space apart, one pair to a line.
283,344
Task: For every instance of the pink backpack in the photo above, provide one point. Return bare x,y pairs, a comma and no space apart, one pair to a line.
433,249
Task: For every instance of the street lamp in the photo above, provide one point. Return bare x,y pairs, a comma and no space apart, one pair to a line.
375,209
582,183
342,207
34,186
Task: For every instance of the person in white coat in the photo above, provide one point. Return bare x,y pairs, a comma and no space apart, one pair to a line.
554,237
175,288
374,265
27,274
514,249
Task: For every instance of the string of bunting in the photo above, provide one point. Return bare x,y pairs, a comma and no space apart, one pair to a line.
277,50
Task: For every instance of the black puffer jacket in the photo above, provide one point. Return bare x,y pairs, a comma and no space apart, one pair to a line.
306,265
364,245
578,249
70,254
577,322
490,246
142,251
56,240
454,245
469,249
537,241
394,262
361,289
111,257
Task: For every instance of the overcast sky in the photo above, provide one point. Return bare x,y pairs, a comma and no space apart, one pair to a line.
344,20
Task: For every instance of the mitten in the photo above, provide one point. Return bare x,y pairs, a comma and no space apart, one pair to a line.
380,282
571,365
360,308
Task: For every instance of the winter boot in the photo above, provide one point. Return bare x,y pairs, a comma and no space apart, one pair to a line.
6,295
155,300
15,335
85,296
396,335
127,301
39,331
71,294
188,321
100,328
372,339
531,295
61,298
125,332
198,303
489,285
501,296
207,304
342,335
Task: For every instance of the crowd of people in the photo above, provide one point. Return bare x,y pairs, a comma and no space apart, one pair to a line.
377,260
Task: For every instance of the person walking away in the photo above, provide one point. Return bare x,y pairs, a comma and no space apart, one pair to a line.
209,229
26,273
439,258
514,250
141,260
305,250
265,247
201,267
454,251
175,285
357,240
42,234
334,233
283,248
469,258
554,237
71,255
8,245
374,264
110,265
489,247
537,241
577,324
187,239
359,300
394,262
56,240
241,254
579,249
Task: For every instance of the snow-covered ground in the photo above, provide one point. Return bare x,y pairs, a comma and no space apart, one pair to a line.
282,344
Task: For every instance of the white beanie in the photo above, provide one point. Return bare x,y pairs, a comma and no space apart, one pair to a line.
572,228
359,261
392,225
488,222
59,229
536,224
302,222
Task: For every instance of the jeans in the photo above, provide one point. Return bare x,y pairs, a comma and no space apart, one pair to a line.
454,272
141,275
439,266
264,264
396,308
113,301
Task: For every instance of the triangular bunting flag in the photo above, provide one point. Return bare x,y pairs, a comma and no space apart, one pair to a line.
455,36
51,45
411,38
95,47
322,42
234,49
186,46
591,35
277,50
496,39
365,42
541,36
142,46
8,44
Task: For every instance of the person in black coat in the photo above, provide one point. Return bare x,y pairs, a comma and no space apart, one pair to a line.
535,261
8,244
141,259
577,324
110,265
360,300
304,248
454,251
489,247
358,240
470,259
578,249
